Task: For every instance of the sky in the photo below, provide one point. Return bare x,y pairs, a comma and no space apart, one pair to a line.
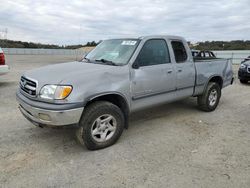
78,21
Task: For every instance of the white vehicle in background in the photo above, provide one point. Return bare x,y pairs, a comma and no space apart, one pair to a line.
3,67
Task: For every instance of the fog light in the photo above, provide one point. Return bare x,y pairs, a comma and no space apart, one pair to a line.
44,117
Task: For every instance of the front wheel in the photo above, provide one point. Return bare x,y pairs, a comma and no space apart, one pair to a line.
101,125
209,100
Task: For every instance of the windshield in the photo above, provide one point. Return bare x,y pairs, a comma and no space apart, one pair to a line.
117,51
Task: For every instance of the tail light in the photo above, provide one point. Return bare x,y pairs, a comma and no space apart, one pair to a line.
2,59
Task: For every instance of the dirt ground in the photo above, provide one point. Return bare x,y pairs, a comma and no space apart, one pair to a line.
174,145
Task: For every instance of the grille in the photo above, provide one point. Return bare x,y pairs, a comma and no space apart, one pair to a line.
28,86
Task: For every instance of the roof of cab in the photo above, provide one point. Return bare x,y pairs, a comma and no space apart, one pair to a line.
162,36
170,37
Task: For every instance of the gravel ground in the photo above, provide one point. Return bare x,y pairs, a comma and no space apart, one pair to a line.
173,145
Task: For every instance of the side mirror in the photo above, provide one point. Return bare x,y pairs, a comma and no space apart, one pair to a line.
136,65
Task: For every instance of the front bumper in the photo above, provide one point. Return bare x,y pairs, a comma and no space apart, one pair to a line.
48,117
4,69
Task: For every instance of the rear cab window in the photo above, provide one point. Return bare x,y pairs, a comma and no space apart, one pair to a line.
180,52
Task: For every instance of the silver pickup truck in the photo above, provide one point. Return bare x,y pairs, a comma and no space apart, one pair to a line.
118,77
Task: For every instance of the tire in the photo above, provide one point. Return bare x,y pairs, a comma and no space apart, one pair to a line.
99,119
243,81
209,100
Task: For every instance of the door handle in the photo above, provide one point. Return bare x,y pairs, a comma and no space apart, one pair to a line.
179,70
169,71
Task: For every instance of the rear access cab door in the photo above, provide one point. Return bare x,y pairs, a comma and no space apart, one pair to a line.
185,68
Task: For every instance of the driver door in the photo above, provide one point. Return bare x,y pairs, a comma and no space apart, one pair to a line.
155,75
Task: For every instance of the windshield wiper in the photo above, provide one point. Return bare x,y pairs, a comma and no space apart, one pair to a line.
106,62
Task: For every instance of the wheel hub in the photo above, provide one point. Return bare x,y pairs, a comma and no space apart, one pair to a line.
103,128
213,97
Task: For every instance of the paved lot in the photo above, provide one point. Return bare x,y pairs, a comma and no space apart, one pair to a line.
174,145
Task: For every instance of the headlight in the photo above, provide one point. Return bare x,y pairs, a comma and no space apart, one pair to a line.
243,66
55,92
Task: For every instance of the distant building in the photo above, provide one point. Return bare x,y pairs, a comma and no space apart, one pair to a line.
194,45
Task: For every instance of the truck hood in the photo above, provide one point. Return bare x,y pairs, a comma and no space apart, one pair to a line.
66,72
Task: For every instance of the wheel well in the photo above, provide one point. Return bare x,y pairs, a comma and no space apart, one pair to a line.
218,80
116,100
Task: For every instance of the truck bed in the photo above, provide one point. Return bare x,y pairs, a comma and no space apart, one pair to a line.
214,66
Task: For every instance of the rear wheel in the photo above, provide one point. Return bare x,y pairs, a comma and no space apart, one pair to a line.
243,81
101,125
209,100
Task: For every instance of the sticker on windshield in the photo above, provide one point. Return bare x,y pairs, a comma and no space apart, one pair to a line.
129,42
